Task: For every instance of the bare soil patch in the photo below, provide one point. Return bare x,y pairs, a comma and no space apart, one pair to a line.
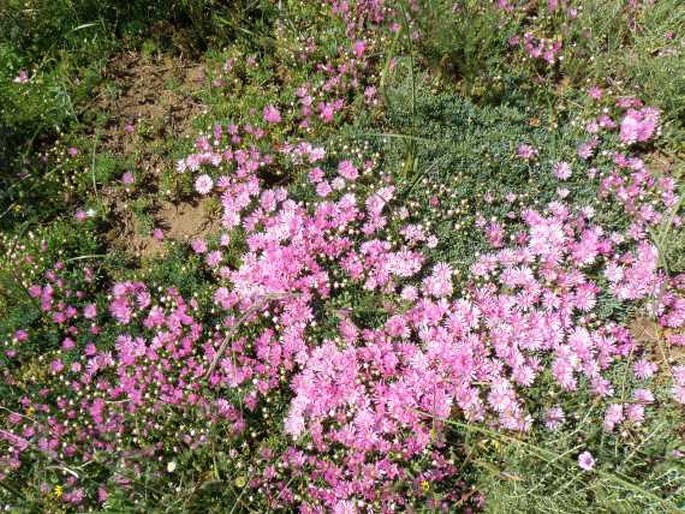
150,104
654,339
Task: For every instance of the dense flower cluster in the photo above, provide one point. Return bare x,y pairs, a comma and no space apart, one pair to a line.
336,310
383,391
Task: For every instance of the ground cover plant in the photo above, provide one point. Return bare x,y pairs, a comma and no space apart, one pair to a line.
348,256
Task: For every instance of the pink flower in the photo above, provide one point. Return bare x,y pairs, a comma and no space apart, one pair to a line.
347,170
358,48
213,258
526,152
586,461
678,392
204,184
128,178
595,92
644,396
639,126
635,413
316,175
326,111
614,415
22,77
562,170
323,189
198,245
644,369
56,366
439,283
345,507
90,311
554,418
271,114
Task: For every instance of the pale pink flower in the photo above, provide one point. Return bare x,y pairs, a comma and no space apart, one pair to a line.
271,114
198,245
22,77
586,461
526,152
644,369
554,418
348,170
595,92
128,178
204,184
90,311
562,170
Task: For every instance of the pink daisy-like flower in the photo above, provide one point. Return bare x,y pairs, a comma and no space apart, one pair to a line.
347,170
198,245
562,170
128,178
554,418
586,461
644,369
595,92
643,396
639,126
613,416
204,184
271,114
345,507
213,258
678,393
22,77
526,152
358,48
90,311
316,175
323,189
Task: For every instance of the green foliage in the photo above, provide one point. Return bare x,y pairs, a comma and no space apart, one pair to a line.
635,471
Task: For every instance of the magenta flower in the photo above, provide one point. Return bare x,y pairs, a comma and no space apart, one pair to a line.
554,418
213,259
323,189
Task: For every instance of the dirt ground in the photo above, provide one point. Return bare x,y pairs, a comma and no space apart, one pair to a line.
159,94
